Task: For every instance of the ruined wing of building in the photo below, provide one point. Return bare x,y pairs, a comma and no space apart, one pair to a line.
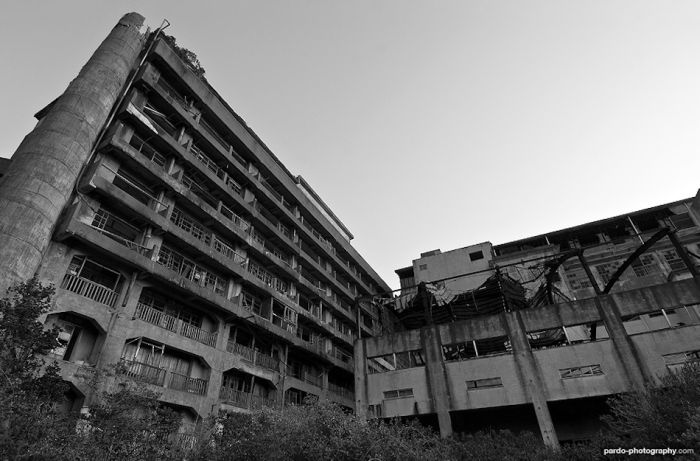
179,245
535,334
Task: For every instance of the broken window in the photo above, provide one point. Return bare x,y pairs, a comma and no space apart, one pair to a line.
645,265
459,351
398,394
678,360
396,361
484,383
67,337
580,372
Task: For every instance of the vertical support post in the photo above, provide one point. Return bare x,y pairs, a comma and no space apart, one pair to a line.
360,362
437,377
531,378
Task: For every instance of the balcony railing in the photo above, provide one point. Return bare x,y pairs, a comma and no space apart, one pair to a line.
190,225
244,351
189,270
160,120
89,289
130,244
171,323
198,190
213,133
267,278
258,401
234,397
143,372
234,218
147,150
180,382
266,361
173,93
208,162
341,391
230,253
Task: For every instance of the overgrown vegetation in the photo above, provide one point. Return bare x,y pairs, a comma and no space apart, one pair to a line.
130,423
186,55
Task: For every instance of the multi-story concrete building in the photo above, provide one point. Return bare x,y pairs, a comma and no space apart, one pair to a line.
537,333
179,245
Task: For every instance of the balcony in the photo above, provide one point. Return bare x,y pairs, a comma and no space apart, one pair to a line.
190,271
245,400
118,230
184,383
150,374
171,323
253,356
173,93
341,391
267,278
89,289
160,120
207,162
147,151
144,373
189,225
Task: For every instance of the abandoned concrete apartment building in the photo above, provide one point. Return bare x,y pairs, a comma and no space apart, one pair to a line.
179,244
184,250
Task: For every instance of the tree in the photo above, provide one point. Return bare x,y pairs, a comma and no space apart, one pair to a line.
664,415
29,391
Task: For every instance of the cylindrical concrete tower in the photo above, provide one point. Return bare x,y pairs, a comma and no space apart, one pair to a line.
46,165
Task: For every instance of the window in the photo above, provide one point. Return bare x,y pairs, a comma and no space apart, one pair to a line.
67,337
673,260
580,372
395,361
607,270
423,267
477,255
645,265
374,411
484,383
678,360
459,351
398,394
577,279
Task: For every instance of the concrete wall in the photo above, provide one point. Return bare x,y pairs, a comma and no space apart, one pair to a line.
623,359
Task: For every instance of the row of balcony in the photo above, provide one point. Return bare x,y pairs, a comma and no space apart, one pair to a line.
253,356
161,377
218,171
188,224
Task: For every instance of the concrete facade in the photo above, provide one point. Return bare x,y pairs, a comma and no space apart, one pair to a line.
548,365
184,254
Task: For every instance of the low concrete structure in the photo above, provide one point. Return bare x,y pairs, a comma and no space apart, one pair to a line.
599,313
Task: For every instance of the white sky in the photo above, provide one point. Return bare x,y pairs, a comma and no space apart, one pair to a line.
423,124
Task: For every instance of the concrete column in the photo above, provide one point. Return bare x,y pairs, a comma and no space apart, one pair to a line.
437,378
625,352
45,167
359,360
530,377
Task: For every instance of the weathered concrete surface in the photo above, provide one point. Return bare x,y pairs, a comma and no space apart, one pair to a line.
45,167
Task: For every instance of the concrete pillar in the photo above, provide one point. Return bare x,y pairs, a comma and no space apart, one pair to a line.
437,378
625,352
359,360
530,376
45,167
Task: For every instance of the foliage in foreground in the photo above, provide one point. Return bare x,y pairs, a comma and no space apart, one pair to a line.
130,423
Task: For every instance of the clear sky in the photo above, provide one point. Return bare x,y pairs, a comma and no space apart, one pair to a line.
423,124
